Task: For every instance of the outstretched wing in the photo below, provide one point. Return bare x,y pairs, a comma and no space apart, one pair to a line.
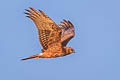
67,32
48,30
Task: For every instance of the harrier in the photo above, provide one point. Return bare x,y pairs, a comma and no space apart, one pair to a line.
53,37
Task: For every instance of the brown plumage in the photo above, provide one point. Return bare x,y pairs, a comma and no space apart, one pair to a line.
53,37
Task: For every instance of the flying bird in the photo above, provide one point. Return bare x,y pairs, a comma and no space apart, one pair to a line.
53,37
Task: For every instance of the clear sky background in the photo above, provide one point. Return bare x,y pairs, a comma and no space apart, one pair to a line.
97,40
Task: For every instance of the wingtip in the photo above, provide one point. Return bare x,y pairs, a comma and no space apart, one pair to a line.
30,8
27,16
40,10
26,13
27,10
70,23
65,20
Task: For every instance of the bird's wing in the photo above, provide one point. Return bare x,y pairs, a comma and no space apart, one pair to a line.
67,32
48,30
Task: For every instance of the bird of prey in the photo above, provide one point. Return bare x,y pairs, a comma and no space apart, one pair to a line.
53,37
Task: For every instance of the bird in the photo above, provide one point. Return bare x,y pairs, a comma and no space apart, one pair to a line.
53,37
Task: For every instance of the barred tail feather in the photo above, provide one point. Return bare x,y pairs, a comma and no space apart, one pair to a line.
31,57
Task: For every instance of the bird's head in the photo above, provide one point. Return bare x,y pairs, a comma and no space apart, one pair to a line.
69,50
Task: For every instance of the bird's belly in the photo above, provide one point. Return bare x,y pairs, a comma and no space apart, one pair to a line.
52,54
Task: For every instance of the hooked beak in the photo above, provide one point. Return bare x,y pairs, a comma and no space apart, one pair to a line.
74,51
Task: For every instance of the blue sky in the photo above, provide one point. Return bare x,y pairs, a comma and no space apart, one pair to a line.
97,40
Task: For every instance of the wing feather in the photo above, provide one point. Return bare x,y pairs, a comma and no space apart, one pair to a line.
67,32
48,30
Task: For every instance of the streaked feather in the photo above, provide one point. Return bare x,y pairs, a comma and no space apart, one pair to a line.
68,31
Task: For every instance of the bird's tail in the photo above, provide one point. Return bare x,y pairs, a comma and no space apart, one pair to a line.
31,57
